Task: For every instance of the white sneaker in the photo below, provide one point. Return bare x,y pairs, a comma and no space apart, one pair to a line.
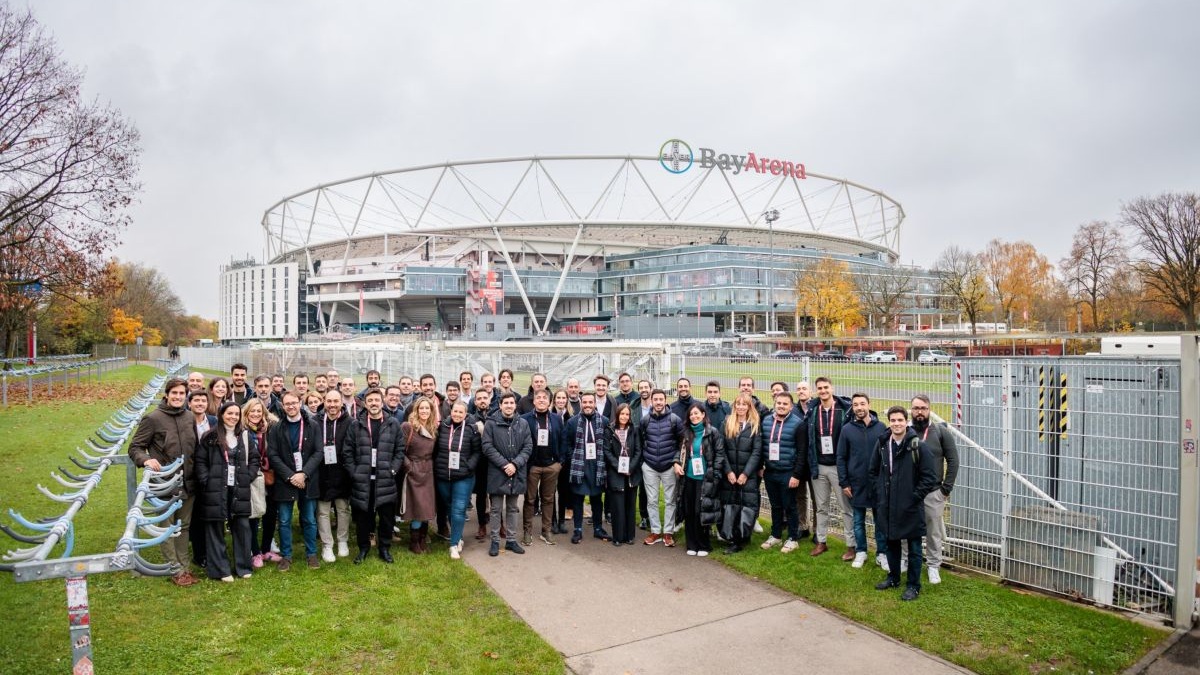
274,546
343,549
881,560
770,543
758,528
903,565
860,559
460,546
327,554
935,577
789,546
454,555
691,552
702,554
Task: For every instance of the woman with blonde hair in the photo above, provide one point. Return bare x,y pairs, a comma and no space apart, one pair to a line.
739,458
258,420
420,440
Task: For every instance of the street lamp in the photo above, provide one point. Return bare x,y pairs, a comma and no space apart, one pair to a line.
771,216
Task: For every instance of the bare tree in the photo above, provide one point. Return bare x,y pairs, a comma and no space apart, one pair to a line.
1098,253
960,274
886,293
1168,230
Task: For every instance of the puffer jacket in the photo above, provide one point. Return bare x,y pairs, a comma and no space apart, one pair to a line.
855,447
334,481
741,454
710,450
506,440
900,492
167,434
660,439
356,459
469,445
280,449
792,458
211,474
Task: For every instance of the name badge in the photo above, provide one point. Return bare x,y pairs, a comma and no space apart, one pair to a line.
827,445
543,437
331,454
454,460
296,459
374,456
773,452
230,476
589,451
623,465
698,466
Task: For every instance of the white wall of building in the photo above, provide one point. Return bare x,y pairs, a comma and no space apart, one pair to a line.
259,302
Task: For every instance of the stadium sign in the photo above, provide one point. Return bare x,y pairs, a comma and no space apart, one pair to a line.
676,156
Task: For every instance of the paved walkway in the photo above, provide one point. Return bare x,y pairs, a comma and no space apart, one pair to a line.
1181,658
641,609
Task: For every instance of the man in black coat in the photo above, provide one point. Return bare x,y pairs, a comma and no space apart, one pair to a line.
902,472
294,452
334,497
373,455
507,445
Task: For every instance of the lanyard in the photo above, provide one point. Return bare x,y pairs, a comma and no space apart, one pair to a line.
326,431
821,420
776,424
300,440
589,435
542,424
925,435
370,432
461,436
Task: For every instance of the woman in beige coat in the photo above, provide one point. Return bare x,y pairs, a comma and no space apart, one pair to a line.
420,507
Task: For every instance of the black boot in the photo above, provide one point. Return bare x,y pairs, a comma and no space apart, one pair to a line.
385,555
362,555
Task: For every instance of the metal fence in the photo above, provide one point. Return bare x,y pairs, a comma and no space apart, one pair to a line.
1070,477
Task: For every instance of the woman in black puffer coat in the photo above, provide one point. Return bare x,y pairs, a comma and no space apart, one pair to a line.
225,494
738,461
698,472
455,485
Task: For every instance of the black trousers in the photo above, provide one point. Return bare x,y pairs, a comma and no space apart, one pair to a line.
217,563
483,512
697,534
624,515
643,503
198,534
378,519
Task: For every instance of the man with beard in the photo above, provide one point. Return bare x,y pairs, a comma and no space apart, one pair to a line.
586,437
860,436
625,391
545,464
683,398
824,427
335,482
373,454
237,388
944,450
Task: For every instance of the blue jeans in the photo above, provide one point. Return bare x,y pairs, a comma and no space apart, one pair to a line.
308,526
457,494
860,533
783,505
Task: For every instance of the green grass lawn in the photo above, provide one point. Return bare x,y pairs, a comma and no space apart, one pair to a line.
426,615
970,621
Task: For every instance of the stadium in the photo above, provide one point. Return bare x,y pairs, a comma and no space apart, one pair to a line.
539,246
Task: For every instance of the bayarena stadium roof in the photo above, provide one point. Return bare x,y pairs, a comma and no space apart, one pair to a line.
608,204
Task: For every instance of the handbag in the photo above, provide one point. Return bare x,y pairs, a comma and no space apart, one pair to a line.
268,475
258,486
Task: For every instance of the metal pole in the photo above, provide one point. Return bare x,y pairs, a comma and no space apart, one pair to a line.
771,217
1189,482
79,616
1006,446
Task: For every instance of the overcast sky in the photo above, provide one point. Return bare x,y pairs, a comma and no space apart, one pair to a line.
1017,120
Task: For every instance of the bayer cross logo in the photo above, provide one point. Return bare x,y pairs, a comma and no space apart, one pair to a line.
675,156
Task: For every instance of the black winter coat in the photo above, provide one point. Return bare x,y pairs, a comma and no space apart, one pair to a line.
211,474
900,492
742,454
280,453
710,448
334,481
469,445
855,447
356,459
506,440
619,482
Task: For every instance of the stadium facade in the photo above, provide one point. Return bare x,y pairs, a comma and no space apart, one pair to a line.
543,245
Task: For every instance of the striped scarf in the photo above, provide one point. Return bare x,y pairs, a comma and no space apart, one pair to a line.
597,424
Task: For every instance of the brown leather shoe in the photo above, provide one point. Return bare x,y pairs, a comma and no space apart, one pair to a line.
482,533
669,540
848,555
183,579
819,549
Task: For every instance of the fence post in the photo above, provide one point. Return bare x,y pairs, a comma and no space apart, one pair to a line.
29,388
1187,554
1006,448
5,377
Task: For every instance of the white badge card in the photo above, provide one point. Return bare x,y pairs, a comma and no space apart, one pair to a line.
331,454
374,456
827,445
296,459
543,437
623,465
230,476
455,458
773,452
589,451
697,466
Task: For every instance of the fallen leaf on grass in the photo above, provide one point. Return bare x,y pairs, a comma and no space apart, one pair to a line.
491,655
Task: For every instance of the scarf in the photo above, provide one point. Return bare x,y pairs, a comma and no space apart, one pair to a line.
597,423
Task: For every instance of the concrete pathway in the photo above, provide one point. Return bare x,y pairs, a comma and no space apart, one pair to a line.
650,609
1181,658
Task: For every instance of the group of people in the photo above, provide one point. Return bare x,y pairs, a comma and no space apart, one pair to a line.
255,452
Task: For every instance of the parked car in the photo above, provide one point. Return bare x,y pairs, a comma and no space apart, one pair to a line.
858,357
831,355
786,355
881,356
743,356
933,356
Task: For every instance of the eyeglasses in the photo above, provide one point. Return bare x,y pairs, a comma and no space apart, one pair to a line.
920,407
